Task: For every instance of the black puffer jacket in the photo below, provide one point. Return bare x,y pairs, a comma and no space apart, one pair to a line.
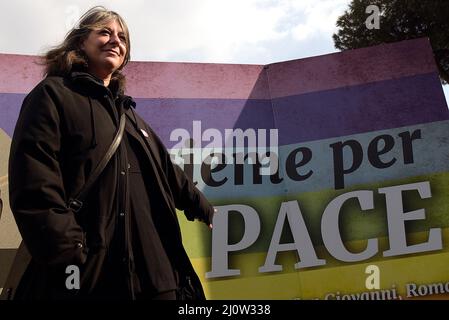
64,129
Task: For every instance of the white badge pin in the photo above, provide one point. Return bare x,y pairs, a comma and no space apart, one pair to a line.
144,133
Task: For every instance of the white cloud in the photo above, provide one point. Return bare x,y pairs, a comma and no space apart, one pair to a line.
215,29
178,30
320,17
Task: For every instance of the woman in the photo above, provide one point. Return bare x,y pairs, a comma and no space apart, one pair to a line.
125,238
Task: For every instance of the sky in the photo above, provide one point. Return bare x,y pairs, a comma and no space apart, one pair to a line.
208,31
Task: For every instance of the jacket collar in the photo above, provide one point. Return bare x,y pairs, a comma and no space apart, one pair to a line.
94,83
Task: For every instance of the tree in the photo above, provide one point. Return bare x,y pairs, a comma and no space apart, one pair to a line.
399,20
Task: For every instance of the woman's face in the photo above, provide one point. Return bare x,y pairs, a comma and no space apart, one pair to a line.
105,49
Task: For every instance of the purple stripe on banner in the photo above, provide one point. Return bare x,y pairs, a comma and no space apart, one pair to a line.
307,117
369,107
313,116
10,104
166,115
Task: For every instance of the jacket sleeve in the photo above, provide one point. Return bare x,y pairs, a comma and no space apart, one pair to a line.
186,195
37,195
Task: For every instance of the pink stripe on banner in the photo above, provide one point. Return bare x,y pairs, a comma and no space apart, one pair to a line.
352,67
196,80
19,73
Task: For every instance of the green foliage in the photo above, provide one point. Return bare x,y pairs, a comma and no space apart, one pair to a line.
399,20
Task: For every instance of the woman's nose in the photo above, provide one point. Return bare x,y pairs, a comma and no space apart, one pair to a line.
114,39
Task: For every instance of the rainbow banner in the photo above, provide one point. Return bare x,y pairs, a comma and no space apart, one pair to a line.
357,206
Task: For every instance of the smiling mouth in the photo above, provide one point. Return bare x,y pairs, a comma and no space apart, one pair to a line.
112,51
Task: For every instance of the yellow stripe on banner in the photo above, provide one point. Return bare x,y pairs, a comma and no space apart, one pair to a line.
426,274
259,286
411,278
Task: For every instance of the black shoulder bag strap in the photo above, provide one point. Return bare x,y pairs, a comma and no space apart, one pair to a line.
76,203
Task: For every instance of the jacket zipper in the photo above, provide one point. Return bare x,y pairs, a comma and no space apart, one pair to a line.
124,218
127,223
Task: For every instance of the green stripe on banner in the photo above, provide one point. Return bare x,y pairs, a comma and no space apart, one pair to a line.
354,225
